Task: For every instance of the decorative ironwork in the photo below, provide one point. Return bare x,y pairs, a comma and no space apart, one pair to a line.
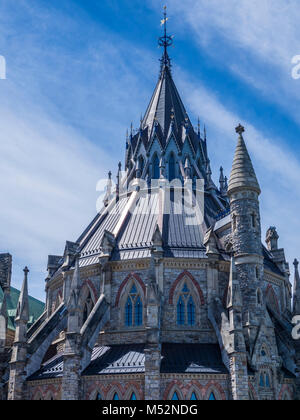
165,41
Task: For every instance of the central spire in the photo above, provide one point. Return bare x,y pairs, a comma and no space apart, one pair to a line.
165,41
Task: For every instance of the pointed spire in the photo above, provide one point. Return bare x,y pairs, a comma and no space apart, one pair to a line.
108,193
165,41
296,298
118,187
221,179
242,174
234,295
23,305
226,184
199,128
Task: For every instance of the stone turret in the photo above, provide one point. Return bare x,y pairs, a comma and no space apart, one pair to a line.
237,353
17,376
243,193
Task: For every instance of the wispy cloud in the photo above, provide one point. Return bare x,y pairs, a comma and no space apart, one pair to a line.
63,114
73,87
255,40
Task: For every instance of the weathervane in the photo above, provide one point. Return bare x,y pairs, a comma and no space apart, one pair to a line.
165,41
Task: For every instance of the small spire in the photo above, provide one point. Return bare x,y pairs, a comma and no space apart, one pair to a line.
119,178
199,128
296,297
131,130
226,183
242,173
108,193
222,181
23,305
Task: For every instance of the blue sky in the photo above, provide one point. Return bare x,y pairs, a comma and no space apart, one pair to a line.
79,72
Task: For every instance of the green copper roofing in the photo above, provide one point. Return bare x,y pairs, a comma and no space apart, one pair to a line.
36,307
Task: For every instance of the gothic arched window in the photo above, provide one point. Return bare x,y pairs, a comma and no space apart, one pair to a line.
212,397
185,307
98,396
175,396
261,380
133,396
155,167
172,170
116,396
193,396
133,308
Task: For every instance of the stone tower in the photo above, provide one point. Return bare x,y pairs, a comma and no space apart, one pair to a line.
243,193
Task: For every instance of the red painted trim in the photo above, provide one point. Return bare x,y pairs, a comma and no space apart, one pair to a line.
137,278
177,281
213,384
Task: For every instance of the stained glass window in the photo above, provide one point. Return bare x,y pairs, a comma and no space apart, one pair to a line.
191,311
133,397
180,312
185,307
194,396
212,397
116,396
133,308
175,396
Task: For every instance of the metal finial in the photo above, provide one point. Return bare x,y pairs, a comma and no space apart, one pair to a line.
296,263
165,41
26,271
240,129
199,126
109,175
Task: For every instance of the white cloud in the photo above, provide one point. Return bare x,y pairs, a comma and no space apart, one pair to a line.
255,40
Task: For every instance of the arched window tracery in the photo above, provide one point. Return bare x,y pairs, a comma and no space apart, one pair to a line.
133,308
185,307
